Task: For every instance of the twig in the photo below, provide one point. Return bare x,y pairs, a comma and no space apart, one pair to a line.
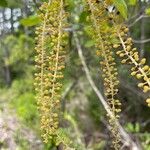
126,139
137,19
141,41
140,12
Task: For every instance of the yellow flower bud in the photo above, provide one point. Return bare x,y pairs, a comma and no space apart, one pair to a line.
139,76
148,102
122,33
140,85
116,45
145,68
118,52
128,48
133,73
123,61
126,30
146,89
143,61
121,55
136,57
98,53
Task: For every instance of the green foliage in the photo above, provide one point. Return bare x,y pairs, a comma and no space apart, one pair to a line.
15,3
94,108
100,145
22,143
24,101
21,94
145,138
89,43
83,17
18,49
20,54
132,2
147,11
135,128
70,5
121,6
62,137
3,3
30,21
76,138
21,86
26,108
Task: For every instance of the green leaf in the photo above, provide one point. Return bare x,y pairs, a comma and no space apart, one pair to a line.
132,2
70,5
147,11
3,3
137,127
89,43
30,21
15,3
130,127
122,7
83,17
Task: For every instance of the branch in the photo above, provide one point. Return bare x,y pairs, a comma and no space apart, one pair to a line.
137,19
141,12
141,41
126,139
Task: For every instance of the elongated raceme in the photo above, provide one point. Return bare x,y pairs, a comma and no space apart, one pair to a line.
50,61
102,36
130,55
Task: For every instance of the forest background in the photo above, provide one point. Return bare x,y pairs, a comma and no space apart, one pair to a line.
85,117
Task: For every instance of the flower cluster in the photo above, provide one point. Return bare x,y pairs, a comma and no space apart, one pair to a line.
130,55
50,61
102,34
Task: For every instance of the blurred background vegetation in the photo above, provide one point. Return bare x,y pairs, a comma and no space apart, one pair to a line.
85,117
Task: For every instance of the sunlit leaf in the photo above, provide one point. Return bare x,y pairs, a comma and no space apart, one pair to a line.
30,21
132,2
130,127
147,11
121,6
89,43
137,127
